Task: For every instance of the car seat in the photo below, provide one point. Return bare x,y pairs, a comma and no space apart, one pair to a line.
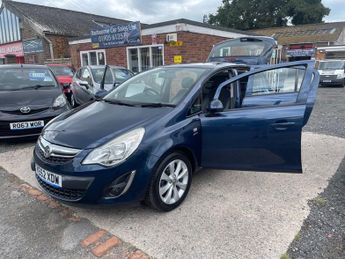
186,85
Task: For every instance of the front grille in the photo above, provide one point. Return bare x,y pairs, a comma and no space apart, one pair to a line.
57,154
52,159
330,77
18,112
62,193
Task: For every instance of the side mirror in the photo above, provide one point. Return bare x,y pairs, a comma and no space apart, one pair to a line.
100,94
215,106
116,84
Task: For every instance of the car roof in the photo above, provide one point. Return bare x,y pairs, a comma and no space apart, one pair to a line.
59,65
103,66
22,66
210,65
330,60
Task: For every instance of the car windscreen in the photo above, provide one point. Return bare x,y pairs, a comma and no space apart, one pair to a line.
13,79
165,86
97,74
61,70
332,65
239,47
121,75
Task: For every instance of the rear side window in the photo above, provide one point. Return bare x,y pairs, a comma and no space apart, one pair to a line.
12,79
277,81
122,75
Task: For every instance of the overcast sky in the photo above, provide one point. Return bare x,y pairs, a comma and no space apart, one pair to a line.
151,11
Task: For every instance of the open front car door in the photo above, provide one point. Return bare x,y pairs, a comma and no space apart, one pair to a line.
262,130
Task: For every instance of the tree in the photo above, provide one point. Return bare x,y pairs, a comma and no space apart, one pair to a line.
256,14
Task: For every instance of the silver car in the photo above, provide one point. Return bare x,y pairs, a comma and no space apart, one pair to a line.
90,82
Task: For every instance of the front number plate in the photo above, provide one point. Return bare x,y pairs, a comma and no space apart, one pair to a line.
326,81
49,177
26,125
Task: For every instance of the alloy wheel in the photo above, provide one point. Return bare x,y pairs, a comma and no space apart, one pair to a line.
173,181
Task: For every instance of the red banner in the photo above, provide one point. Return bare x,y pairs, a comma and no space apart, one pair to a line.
15,48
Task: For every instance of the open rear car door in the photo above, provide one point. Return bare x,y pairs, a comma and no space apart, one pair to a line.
263,131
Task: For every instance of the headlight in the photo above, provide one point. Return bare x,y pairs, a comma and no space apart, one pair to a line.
117,150
340,76
60,101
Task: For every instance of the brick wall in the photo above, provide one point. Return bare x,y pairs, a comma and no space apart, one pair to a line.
60,45
29,33
195,48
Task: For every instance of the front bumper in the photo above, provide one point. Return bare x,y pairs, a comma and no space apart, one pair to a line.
89,184
331,81
5,120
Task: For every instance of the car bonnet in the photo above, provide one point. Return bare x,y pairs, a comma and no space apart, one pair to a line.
99,122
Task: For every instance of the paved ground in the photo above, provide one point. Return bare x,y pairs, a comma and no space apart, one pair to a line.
227,214
34,226
23,221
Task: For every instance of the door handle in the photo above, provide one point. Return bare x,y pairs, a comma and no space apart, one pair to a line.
283,125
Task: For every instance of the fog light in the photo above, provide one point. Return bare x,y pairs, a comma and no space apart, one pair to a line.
120,186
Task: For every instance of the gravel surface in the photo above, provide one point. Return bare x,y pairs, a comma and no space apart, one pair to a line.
323,232
328,116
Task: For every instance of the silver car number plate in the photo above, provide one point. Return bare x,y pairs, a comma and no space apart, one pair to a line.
26,125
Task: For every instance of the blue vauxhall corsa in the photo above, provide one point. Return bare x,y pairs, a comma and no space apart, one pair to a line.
143,140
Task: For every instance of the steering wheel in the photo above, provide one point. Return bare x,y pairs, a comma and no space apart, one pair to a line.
151,91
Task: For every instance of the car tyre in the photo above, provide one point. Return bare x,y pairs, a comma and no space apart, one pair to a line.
170,182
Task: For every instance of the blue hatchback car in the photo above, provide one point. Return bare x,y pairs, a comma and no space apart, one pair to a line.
144,140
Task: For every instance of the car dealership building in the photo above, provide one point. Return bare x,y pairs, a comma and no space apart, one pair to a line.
171,42
40,34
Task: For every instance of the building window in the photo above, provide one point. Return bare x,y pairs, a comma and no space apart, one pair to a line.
92,57
145,57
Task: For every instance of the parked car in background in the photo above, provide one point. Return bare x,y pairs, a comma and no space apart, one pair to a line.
91,81
332,72
64,75
143,140
245,50
30,97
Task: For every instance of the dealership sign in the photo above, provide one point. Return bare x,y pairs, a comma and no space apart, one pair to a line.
300,52
33,46
117,35
11,49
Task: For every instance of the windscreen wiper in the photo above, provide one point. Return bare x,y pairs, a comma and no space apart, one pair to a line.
38,86
157,105
118,102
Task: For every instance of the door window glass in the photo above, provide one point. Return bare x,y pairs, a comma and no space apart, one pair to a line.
108,77
101,59
133,60
93,58
122,75
144,58
196,107
282,80
84,59
157,56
